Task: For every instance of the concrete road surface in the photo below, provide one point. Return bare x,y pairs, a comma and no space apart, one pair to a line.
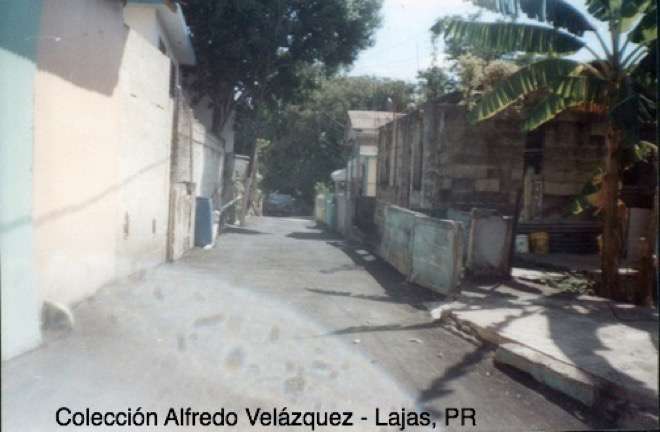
279,314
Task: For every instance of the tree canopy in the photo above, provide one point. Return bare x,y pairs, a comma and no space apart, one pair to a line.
256,51
306,138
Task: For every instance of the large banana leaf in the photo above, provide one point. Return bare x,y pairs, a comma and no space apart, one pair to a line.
647,29
511,37
558,13
603,10
632,11
524,82
583,89
644,73
567,92
628,11
547,109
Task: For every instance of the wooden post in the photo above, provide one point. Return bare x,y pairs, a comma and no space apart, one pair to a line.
609,286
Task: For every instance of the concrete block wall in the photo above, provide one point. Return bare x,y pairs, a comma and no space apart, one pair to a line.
427,250
437,254
395,245
489,245
462,165
573,149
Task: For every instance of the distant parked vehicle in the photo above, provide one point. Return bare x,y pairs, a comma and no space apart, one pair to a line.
278,204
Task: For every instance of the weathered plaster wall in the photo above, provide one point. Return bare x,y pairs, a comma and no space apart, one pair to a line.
77,148
143,20
208,163
427,250
103,125
145,137
19,31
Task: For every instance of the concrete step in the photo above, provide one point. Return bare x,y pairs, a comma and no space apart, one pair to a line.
631,407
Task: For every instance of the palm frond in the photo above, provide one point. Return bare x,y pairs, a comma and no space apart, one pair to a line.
524,82
510,37
558,13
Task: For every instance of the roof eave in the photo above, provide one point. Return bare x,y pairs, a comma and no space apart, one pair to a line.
174,24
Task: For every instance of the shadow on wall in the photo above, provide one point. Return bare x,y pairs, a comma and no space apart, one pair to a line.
83,42
59,213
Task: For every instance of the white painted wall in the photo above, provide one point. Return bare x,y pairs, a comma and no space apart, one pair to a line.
208,163
77,147
20,300
145,136
142,19
103,124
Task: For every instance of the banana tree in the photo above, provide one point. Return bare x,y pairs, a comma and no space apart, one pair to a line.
617,80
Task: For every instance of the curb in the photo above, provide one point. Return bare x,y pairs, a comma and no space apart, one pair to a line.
576,383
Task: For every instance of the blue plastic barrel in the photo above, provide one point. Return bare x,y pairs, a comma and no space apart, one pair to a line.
203,222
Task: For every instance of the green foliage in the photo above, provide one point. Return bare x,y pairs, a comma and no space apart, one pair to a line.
478,76
621,83
523,83
558,13
306,137
618,84
454,49
322,188
257,50
433,83
511,37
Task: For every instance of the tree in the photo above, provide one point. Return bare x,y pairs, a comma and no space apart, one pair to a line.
620,83
434,82
253,51
477,76
306,138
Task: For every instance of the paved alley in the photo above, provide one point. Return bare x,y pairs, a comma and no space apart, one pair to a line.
278,314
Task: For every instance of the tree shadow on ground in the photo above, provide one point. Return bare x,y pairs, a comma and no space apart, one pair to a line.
396,288
440,386
238,230
564,312
323,235
384,328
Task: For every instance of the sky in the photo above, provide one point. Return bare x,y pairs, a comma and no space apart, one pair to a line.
403,43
